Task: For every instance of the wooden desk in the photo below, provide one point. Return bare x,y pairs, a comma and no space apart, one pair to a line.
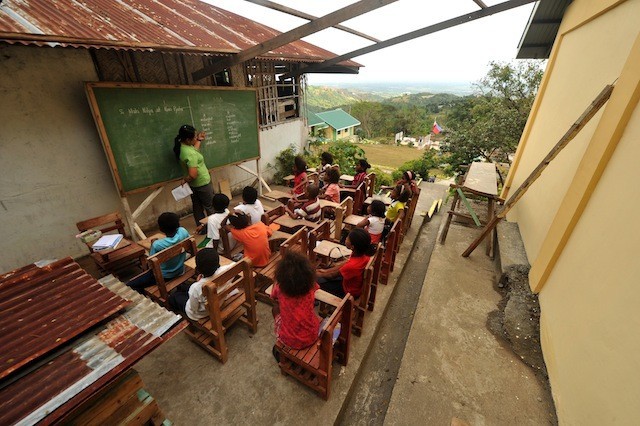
386,200
277,195
106,252
328,203
327,248
191,262
146,243
482,178
288,179
347,178
292,224
353,220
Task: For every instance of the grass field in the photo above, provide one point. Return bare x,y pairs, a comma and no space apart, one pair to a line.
390,156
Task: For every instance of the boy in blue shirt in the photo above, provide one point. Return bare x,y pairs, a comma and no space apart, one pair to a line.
169,224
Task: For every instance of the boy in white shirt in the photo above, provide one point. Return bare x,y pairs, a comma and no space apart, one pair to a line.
251,206
191,301
215,221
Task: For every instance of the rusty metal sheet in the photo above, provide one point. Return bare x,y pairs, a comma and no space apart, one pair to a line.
41,309
177,25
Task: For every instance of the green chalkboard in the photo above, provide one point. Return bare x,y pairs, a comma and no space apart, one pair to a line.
138,123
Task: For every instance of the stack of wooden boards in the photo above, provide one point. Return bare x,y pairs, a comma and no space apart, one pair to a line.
65,329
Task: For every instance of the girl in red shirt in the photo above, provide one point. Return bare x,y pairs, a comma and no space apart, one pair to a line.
296,323
299,177
346,277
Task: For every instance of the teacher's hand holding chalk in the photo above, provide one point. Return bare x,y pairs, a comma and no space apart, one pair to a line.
187,150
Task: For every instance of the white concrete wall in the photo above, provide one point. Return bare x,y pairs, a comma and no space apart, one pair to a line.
54,172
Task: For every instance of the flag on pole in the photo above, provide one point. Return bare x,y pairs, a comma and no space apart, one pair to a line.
436,129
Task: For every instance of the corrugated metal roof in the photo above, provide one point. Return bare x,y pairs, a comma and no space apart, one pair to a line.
168,25
81,367
313,119
41,308
338,119
540,34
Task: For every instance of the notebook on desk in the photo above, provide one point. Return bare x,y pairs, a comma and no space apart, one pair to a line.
107,242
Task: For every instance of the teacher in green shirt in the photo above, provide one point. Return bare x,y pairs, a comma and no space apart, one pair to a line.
187,150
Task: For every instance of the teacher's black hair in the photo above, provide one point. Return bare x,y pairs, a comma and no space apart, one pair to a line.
185,132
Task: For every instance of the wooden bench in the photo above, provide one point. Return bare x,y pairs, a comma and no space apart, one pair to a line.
160,292
377,264
313,365
362,304
114,261
298,242
230,298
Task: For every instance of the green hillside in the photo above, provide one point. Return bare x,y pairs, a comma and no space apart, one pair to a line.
325,98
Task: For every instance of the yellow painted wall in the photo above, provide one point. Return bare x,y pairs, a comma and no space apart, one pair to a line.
586,61
591,303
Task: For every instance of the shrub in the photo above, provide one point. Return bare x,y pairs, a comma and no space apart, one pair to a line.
420,166
284,164
382,178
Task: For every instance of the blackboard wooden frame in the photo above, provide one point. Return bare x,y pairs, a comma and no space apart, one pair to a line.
104,137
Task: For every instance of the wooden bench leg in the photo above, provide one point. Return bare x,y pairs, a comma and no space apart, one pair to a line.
445,230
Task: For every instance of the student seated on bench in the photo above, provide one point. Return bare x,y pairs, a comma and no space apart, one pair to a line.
331,190
254,238
346,277
400,195
296,323
188,299
169,224
311,209
408,180
374,222
216,220
361,173
250,204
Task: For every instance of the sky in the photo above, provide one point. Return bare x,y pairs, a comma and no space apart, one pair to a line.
456,55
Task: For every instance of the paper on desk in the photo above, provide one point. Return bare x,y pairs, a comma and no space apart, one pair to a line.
107,241
181,192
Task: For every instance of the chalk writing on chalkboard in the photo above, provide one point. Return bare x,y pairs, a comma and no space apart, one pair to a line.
138,123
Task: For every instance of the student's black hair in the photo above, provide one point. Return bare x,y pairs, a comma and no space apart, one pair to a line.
403,193
360,240
378,209
408,175
207,261
249,194
295,274
333,175
301,165
239,220
169,222
313,191
364,164
326,157
220,202
185,132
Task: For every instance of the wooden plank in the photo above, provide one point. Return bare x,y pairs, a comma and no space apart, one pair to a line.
309,28
575,128
469,208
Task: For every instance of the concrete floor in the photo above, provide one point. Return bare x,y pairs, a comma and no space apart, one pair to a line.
452,365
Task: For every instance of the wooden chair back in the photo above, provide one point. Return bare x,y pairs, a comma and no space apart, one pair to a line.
371,183
360,306
320,233
297,242
105,223
160,291
359,196
377,263
313,365
390,251
120,259
413,203
230,298
313,178
271,215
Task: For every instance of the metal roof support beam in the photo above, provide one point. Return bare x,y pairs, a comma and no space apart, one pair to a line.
462,19
314,26
480,3
299,14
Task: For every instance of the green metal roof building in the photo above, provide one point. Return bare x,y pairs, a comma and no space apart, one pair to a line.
336,124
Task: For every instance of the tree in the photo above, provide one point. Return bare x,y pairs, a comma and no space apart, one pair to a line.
489,124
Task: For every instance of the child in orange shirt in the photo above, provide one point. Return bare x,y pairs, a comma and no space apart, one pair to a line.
254,238
331,191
